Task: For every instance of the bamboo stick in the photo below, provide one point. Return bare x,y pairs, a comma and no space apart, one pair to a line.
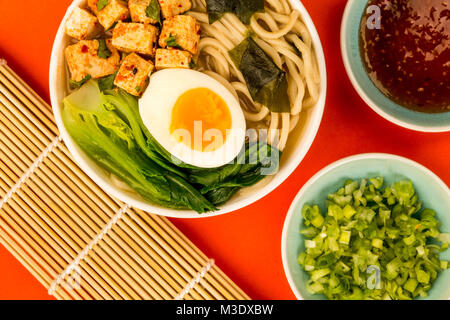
20,130
23,111
23,89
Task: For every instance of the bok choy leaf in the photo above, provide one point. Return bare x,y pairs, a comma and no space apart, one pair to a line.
108,127
91,120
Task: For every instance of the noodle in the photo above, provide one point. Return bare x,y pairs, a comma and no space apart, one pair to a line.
280,32
276,34
223,81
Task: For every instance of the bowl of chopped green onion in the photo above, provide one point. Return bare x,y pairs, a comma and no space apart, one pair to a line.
369,227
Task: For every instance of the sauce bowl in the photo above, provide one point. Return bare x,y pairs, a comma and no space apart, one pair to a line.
381,104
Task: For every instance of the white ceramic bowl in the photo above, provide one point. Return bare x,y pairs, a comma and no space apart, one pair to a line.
299,145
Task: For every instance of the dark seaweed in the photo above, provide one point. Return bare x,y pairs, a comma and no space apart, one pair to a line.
243,9
266,82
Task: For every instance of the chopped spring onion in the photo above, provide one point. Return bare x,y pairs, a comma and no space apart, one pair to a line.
374,242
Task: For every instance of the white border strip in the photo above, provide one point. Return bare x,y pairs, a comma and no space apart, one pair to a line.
196,280
30,171
83,254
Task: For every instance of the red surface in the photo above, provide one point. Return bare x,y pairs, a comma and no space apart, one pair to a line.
245,244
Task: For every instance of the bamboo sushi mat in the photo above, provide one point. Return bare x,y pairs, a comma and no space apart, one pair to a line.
79,242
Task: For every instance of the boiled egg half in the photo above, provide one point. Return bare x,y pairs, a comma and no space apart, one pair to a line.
194,117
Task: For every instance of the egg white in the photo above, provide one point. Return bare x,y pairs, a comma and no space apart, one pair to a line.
158,101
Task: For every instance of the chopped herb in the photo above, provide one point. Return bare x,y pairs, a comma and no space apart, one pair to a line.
101,4
138,88
243,9
171,42
103,50
107,83
192,64
153,11
77,84
266,82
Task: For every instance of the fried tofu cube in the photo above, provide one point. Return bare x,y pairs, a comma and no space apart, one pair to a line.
114,11
180,32
135,37
82,25
138,11
83,60
171,8
133,74
178,59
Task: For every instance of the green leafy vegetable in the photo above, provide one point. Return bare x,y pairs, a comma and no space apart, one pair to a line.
111,142
127,106
103,50
107,126
255,157
256,161
208,177
216,9
153,11
102,4
171,42
107,83
266,82
243,9
372,243
221,196
266,162
77,84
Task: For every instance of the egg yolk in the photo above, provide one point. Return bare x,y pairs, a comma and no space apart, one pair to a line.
201,119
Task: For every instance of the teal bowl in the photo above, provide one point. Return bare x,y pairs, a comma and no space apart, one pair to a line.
432,191
381,104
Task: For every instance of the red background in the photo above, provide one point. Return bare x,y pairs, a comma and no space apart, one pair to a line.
245,244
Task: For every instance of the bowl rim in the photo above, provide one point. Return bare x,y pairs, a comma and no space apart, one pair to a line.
284,172
322,172
374,106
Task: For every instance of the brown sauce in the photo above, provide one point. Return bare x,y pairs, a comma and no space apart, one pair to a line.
408,57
